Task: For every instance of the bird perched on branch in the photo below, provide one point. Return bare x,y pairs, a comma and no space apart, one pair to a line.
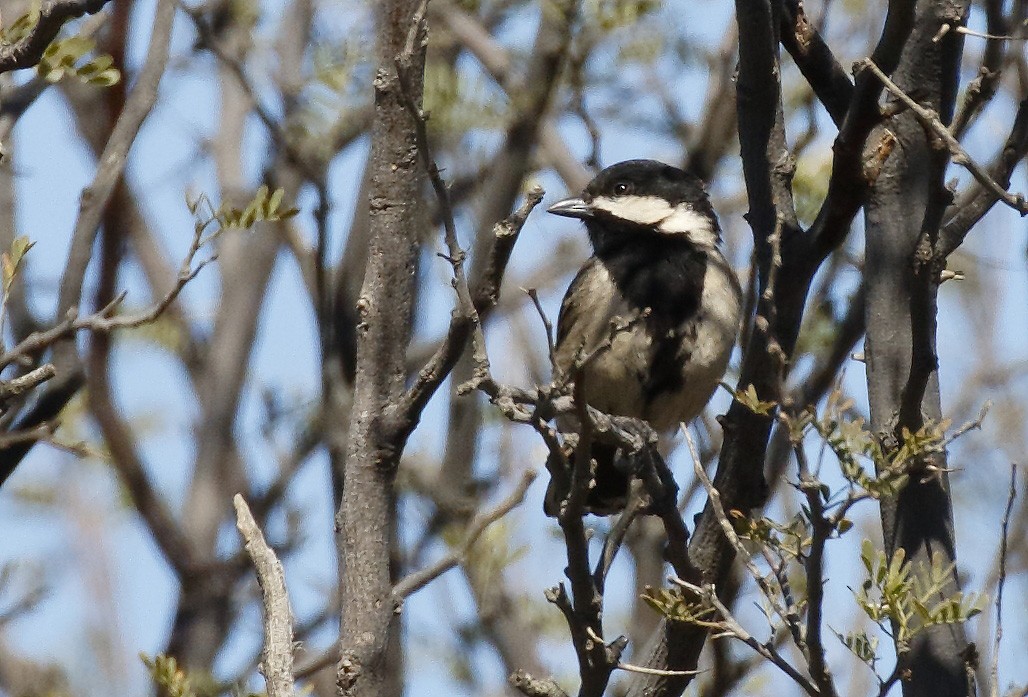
658,267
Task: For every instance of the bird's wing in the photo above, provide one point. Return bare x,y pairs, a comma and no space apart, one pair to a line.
585,313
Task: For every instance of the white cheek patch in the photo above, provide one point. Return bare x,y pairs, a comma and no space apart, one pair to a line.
645,210
685,221
651,210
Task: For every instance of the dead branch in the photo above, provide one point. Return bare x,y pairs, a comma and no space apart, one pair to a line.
23,383
277,652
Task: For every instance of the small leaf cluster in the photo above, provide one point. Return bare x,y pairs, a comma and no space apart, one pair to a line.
904,599
855,447
672,604
749,399
792,539
166,673
901,598
11,261
176,681
266,206
864,647
63,57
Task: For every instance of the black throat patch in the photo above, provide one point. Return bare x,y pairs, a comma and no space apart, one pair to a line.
664,274
661,272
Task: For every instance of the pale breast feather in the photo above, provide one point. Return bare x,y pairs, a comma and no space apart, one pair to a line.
621,380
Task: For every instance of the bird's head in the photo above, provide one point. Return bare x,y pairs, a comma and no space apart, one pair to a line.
643,198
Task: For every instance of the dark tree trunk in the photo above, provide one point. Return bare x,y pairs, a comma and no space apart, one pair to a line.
904,213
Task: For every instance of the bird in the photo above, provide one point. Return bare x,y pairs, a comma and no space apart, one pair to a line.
657,267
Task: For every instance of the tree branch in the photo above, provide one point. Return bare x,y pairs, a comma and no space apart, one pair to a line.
483,298
419,579
277,651
815,59
366,515
848,185
979,199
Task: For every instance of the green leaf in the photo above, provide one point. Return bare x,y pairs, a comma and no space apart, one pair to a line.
11,261
165,672
867,554
749,399
264,207
276,199
672,604
861,645
62,56
108,77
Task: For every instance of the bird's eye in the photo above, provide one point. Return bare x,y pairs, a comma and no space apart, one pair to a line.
622,189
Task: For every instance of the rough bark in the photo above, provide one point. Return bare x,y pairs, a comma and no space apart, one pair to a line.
904,212
365,517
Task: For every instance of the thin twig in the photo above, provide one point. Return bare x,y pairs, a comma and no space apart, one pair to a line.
986,35
1001,582
616,536
466,321
419,579
104,319
821,529
405,73
24,383
730,626
42,432
114,157
631,668
729,531
485,294
972,425
547,327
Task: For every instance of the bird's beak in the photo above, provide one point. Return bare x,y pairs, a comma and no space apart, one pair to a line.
571,208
